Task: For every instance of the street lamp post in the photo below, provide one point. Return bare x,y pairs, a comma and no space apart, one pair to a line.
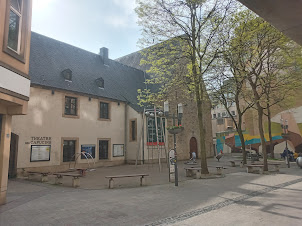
284,126
179,116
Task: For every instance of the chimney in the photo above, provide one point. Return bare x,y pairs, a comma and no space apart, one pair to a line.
104,55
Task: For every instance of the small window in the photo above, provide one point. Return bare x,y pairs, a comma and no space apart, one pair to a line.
67,74
104,110
214,115
103,149
70,106
100,83
133,130
220,121
224,114
233,113
219,115
69,149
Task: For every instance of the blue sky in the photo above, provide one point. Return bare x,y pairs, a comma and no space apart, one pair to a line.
89,24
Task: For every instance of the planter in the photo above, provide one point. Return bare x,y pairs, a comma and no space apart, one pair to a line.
176,130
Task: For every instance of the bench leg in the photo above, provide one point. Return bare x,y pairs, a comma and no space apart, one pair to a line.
241,164
111,183
249,169
75,182
44,178
58,179
276,168
261,170
187,173
219,171
198,174
143,181
30,176
233,164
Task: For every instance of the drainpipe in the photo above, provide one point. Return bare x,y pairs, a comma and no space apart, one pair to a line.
143,137
126,132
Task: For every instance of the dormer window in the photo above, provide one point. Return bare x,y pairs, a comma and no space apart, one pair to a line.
100,83
67,74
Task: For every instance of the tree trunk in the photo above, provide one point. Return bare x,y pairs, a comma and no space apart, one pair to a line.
239,128
242,144
203,154
199,92
271,146
261,131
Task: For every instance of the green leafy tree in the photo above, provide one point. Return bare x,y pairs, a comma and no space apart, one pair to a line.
267,59
186,38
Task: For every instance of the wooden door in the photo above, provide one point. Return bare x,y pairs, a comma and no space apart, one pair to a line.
193,147
13,156
103,149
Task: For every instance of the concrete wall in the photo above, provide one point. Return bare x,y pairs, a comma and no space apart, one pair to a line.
132,146
44,119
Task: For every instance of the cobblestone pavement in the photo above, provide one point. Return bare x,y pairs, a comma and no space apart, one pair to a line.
236,199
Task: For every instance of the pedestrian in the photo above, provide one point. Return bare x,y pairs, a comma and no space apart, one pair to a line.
194,156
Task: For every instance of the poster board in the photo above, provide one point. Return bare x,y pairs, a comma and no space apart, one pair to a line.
88,148
40,153
118,150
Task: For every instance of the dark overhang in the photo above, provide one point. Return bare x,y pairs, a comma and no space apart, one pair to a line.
285,15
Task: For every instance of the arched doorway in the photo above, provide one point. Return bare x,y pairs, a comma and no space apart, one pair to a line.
193,147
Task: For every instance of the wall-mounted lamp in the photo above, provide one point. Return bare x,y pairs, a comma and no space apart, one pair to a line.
52,92
89,98
118,103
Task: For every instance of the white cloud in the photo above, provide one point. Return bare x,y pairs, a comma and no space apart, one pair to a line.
127,16
127,5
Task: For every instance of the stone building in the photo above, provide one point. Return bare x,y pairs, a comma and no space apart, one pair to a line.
83,102
188,141
80,102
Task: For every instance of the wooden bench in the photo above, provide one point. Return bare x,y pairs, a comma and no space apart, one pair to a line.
81,171
142,178
44,176
75,178
250,168
193,171
219,170
233,164
274,164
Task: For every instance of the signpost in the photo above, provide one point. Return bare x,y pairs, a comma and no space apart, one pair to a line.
171,165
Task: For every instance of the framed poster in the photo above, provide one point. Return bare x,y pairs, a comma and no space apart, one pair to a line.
118,150
88,148
40,153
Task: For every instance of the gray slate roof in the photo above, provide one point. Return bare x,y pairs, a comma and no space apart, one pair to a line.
133,60
49,57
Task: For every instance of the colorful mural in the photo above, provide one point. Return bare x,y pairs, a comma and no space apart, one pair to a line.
294,119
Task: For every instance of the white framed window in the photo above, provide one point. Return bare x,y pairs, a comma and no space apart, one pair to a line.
15,25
